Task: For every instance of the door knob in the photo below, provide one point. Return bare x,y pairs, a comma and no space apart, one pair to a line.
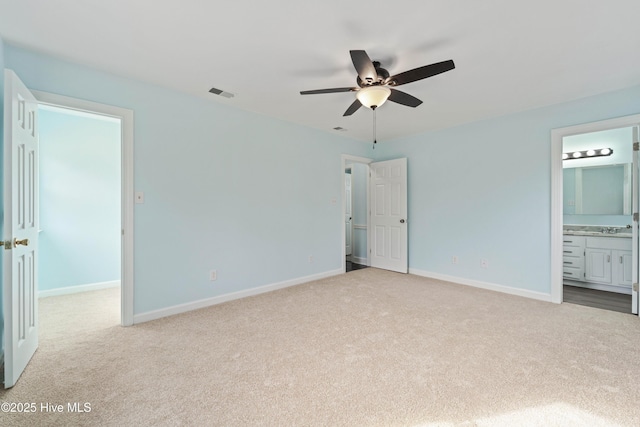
402,221
17,242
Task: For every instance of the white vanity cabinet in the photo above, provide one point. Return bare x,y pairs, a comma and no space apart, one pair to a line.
598,265
623,267
608,261
598,262
573,257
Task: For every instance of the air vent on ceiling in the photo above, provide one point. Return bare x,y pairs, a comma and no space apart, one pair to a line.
221,93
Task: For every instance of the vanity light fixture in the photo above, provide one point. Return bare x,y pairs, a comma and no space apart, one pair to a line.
599,152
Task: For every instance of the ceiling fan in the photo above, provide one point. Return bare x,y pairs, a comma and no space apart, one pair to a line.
375,85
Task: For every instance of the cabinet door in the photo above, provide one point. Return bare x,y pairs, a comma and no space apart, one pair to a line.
622,260
598,268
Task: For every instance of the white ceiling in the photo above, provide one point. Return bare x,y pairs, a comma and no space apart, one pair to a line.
509,55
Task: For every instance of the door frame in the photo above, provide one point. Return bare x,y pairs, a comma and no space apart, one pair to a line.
127,188
347,159
556,190
349,166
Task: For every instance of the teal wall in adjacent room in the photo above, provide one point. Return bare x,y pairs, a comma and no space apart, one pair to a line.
79,156
225,189
483,190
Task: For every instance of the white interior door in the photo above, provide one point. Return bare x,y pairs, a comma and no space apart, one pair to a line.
20,227
348,214
389,215
634,228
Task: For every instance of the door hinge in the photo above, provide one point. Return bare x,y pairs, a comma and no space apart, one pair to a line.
635,287
636,146
8,245
635,216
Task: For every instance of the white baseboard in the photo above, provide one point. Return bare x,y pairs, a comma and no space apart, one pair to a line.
79,288
195,305
358,260
483,285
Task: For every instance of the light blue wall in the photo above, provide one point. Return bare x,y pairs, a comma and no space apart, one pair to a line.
483,190
612,220
219,192
219,187
79,199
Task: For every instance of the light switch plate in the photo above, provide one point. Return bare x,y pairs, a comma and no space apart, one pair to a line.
139,197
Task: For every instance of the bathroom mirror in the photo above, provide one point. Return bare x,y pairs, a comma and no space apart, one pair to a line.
597,190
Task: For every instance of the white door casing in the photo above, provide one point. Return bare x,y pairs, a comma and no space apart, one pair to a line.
389,215
348,214
20,226
634,228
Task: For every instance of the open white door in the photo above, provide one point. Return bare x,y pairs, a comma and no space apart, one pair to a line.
20,227
389,215
634,228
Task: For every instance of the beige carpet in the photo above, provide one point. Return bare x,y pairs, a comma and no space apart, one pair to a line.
369,348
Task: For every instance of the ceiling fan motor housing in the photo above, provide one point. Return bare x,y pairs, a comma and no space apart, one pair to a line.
383,76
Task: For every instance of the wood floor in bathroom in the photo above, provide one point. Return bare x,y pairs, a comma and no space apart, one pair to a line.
598,299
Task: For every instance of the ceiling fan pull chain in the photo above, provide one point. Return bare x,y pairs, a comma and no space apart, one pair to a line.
374,129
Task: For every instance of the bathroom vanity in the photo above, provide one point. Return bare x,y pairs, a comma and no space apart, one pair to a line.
598,259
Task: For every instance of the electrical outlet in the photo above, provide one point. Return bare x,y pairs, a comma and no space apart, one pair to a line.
454,259
213,275
310,259
484,263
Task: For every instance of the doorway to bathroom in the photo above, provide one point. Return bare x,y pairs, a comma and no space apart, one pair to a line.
597,181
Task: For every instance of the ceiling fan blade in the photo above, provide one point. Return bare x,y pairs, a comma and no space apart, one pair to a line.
404,98
333,90
353,108
364,66
421,73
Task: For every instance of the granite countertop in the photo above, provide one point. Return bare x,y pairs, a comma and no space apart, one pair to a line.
596,230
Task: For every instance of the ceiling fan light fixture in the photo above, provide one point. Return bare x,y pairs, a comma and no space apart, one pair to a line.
373,96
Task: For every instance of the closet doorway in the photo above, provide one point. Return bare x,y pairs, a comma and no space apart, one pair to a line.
355,210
